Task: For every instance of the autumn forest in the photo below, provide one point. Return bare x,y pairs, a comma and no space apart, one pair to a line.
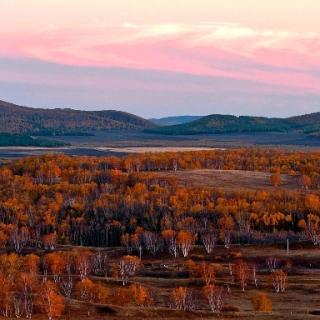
121,237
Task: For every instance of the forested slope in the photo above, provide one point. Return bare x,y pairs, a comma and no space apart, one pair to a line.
17,119
216,123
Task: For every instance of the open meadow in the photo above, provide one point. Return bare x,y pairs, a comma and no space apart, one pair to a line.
231,180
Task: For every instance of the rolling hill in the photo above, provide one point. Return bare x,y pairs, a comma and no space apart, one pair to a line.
170,121
214,124
16,119
309,122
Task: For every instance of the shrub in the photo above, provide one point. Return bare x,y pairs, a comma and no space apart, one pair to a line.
261,302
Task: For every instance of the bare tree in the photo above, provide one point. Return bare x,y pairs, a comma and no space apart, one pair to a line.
242,274
19,238
125,241
136,242
254,275
151,242
216,297
18,306
226,238
209,241
66,286
128,266
45,268
99,262
207,272
28,307
312,229
231,272
272,263
170,237
83,264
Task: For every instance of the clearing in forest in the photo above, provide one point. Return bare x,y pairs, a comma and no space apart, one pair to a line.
231,179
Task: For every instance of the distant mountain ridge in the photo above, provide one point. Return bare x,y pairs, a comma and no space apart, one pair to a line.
17,119
216,123
174,120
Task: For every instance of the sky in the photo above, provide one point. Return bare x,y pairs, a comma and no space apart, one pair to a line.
157,58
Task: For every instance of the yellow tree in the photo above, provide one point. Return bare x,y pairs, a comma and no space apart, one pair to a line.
49,301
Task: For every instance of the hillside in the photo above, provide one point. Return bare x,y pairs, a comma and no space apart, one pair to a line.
216,123
171,121
227,124
310,122
18,119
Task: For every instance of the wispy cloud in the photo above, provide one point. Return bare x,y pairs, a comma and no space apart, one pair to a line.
228,36
146,92
285,59
202,49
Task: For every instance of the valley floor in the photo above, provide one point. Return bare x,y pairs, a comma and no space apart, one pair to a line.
162,274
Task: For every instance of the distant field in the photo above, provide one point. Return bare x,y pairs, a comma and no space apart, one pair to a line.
18,152
122,142
153,149
129,138
230,179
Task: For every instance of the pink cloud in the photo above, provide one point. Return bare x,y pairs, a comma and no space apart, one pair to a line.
278,57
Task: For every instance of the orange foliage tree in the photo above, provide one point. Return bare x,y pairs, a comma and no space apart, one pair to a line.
185,241
182,299
242,274
89,291
207,272
275,179
140,295
279,280
261,302
49,301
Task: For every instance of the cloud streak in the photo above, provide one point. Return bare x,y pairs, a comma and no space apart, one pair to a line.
147,92
200,49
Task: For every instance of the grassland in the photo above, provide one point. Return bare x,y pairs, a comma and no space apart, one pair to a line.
231,179
122,142
162,273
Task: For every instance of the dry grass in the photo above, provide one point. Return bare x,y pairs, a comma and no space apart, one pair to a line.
300,301
230,179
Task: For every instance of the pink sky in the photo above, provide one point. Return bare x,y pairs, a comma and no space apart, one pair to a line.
269,51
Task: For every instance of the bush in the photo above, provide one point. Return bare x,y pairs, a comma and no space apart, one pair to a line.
261,302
